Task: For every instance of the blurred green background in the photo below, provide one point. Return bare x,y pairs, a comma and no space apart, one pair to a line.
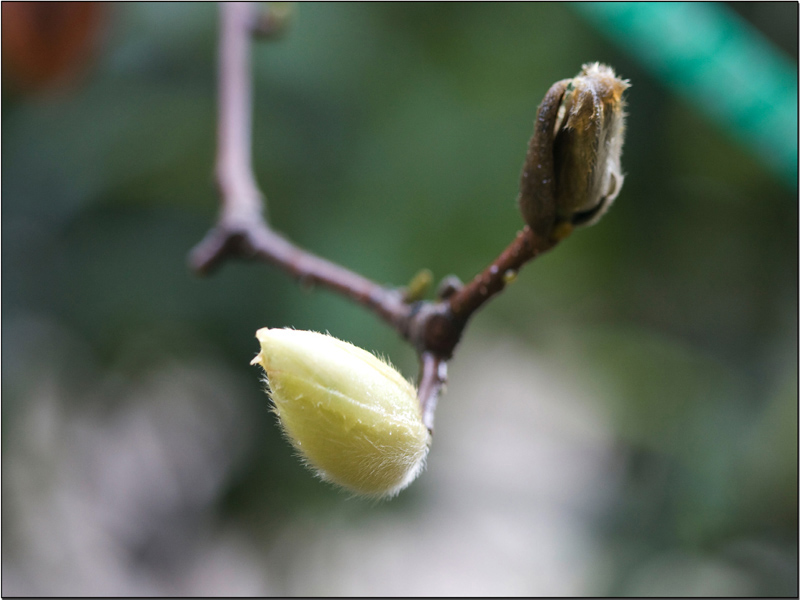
622,421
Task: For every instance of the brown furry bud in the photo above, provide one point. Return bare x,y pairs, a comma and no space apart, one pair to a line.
572,172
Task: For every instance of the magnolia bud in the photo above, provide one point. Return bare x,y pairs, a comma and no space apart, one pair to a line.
355,420
588,144
572,173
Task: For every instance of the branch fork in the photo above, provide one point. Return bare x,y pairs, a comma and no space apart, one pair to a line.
434,328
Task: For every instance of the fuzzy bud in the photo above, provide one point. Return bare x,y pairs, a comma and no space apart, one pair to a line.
572,173
355,420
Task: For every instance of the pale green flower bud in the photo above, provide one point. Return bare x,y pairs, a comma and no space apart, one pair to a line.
355,420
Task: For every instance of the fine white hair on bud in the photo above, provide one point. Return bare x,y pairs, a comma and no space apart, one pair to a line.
354,419
589,132
572,171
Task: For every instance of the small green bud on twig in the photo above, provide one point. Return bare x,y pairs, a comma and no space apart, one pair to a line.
419,286
572,172
355,420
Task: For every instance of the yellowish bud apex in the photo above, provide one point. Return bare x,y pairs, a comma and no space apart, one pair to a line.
355,420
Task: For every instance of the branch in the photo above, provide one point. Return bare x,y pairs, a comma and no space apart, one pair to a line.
241,230
502,271
255,240
241,198
434,328
432,379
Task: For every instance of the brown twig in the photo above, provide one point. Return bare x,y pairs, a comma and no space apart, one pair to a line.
257,241
241,230
432,379
241,198
434,328
494,278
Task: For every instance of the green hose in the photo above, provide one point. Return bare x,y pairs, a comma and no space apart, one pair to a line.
708,54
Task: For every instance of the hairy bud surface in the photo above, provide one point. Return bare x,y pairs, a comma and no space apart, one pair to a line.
589,132
355,420
572,172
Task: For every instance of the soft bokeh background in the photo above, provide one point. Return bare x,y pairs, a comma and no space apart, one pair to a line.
623,420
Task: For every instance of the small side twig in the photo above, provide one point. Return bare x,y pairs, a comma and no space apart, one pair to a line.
256,240
432,379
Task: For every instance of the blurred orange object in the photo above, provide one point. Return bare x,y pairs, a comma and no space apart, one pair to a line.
47,44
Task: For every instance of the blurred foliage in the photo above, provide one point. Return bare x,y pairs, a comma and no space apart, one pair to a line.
389,137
